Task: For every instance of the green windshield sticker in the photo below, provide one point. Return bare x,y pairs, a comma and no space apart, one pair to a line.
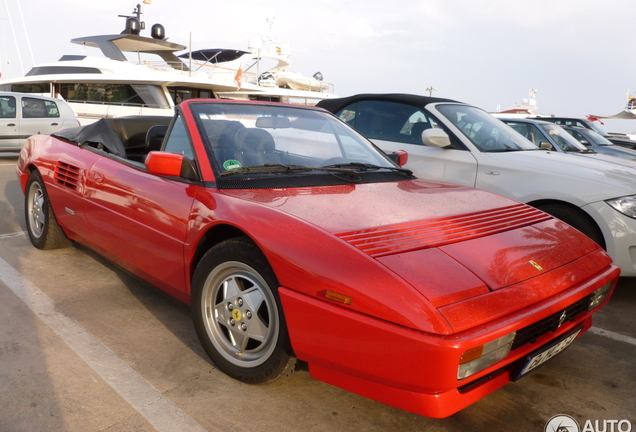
231,164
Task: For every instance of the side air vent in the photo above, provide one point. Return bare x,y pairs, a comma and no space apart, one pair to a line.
393,239
67,175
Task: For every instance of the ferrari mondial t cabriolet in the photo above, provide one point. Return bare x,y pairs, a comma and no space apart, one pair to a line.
292,237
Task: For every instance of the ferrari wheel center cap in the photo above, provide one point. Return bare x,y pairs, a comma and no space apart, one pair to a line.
236,314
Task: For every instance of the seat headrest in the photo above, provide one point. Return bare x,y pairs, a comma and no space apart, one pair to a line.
418,128
155,136
255,140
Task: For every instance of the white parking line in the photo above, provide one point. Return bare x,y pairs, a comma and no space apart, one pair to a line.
15,234
139,393
613,335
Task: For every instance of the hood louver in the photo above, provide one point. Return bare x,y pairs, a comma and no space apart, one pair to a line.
394,239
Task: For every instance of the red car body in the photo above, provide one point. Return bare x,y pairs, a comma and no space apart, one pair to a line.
384,285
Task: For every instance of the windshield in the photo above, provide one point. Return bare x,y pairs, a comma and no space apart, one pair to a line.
561,138
247,137
486,132
596,138
599,130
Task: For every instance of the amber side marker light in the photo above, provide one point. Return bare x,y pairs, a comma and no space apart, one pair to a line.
340,298
479,358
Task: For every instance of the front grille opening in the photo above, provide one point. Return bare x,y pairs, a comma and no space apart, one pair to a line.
531,333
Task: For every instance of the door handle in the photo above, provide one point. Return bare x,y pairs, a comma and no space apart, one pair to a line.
54,124
11,125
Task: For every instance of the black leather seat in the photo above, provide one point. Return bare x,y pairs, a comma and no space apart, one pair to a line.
256,147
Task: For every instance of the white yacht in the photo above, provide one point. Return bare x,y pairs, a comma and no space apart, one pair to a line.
525,109
112,86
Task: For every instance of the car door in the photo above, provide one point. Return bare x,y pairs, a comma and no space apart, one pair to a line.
39,116
140,219
9,123
395,126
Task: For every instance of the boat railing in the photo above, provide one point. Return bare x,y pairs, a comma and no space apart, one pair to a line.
130,104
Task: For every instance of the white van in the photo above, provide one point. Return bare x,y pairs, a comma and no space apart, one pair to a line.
23,115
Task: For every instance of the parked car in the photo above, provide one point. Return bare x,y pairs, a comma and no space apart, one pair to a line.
621,140
23,115
546,135
596,142
452,141
551,136
293,237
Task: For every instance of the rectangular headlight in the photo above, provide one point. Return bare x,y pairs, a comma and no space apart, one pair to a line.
479,358
599,295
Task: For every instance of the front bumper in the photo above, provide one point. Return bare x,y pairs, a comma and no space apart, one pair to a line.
413,370
619,232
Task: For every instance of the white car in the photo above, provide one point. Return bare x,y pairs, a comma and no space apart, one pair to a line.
23,115
455,142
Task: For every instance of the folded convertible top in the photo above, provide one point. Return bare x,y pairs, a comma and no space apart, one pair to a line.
99,134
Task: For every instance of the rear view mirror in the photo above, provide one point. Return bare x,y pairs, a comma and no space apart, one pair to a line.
435,138
273,122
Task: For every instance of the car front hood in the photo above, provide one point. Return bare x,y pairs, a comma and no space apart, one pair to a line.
583,179
450,243
608,158
355,207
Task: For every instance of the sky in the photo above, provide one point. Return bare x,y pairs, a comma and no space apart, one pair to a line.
577,54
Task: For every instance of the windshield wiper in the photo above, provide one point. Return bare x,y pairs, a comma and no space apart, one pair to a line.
367,167
290,169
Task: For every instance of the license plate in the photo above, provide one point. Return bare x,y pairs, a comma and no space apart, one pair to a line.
547,353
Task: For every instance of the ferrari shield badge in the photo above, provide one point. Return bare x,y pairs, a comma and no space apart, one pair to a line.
536,265
237,315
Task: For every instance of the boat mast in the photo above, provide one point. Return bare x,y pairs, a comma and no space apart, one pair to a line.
136,11
15,39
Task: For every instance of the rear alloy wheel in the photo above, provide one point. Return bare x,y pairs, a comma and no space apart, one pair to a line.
237,313
42,227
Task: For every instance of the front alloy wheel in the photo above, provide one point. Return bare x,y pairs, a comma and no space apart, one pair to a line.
237,313
240,314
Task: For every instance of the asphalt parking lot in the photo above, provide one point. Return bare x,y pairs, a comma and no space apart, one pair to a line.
85,346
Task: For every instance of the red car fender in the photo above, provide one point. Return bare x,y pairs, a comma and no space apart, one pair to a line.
324,259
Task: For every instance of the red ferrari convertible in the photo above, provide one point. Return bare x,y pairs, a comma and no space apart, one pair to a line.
292,237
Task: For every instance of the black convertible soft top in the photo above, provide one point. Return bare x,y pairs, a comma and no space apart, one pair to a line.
113,135
335,105
100,134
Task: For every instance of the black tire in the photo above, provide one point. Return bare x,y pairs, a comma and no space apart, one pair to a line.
577,219
237,313
43,229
